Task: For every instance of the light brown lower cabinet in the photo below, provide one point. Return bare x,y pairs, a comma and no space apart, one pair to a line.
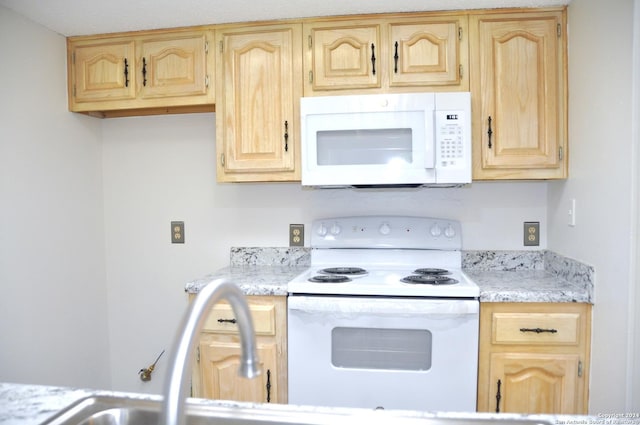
534,358
215,374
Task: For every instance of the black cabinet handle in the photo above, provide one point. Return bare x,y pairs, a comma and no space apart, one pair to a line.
144,72
126,72
489,132
498,397
373,58
227,320
286,136
395,60
268,386
538,330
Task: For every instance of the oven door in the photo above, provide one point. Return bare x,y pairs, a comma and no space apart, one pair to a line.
398,353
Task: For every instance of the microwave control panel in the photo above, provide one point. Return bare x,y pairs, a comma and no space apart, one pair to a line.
450,146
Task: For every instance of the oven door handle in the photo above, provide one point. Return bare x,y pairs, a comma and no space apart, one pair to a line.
418,307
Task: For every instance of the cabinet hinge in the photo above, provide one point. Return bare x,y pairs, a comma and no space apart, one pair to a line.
198,354
222,160
460,33
310,77
221,46
74,90
460,68
206,81
73,58
206,47
559,30
560,153
580,368
310,41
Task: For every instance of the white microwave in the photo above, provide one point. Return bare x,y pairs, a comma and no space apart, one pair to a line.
377,140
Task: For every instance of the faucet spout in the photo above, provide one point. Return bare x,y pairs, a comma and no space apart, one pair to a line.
175,391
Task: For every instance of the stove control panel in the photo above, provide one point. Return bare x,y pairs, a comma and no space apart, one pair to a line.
402,232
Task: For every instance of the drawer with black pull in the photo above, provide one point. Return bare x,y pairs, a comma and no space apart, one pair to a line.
535,328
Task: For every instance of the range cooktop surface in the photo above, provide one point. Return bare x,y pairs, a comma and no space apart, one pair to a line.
387,256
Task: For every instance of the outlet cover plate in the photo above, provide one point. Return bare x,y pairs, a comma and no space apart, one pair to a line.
177,232
296,235
531,233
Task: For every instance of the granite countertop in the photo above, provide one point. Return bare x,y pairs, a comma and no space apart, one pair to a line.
252,279
526,286
33,404
503,276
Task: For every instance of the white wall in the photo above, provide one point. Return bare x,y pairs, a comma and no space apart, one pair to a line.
633,397
53,323
600,139
159,169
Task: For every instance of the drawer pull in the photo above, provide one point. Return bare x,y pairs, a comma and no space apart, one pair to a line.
226,320
498,397
538,330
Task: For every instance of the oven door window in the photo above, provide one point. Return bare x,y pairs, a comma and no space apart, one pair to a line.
385,349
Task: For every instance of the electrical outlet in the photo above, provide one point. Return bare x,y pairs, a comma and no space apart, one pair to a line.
177,232
296,235
531,233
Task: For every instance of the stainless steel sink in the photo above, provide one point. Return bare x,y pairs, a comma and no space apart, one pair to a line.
124,410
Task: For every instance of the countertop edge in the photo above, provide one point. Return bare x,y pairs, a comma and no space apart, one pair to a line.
22,404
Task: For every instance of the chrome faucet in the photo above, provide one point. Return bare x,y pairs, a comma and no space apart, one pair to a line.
176,387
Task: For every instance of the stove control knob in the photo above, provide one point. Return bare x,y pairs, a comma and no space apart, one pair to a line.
336,229
435,231
322,230
449,231
384,229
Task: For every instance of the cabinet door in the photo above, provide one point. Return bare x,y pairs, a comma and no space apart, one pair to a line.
260,84
534,382
174,66
427,53
343,56
219,363
101,71
518,91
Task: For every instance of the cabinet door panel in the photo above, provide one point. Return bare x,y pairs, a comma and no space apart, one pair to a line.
518,87
219,364
346,57
103,71
424,54
535,382
173,67
260,90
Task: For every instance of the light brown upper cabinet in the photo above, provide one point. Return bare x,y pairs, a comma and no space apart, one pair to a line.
518,92
141,73
395,54
259,85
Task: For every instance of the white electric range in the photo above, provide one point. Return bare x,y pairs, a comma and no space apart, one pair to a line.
384,317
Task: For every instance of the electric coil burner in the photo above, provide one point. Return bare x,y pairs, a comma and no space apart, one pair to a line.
329,279
429,279
384,317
